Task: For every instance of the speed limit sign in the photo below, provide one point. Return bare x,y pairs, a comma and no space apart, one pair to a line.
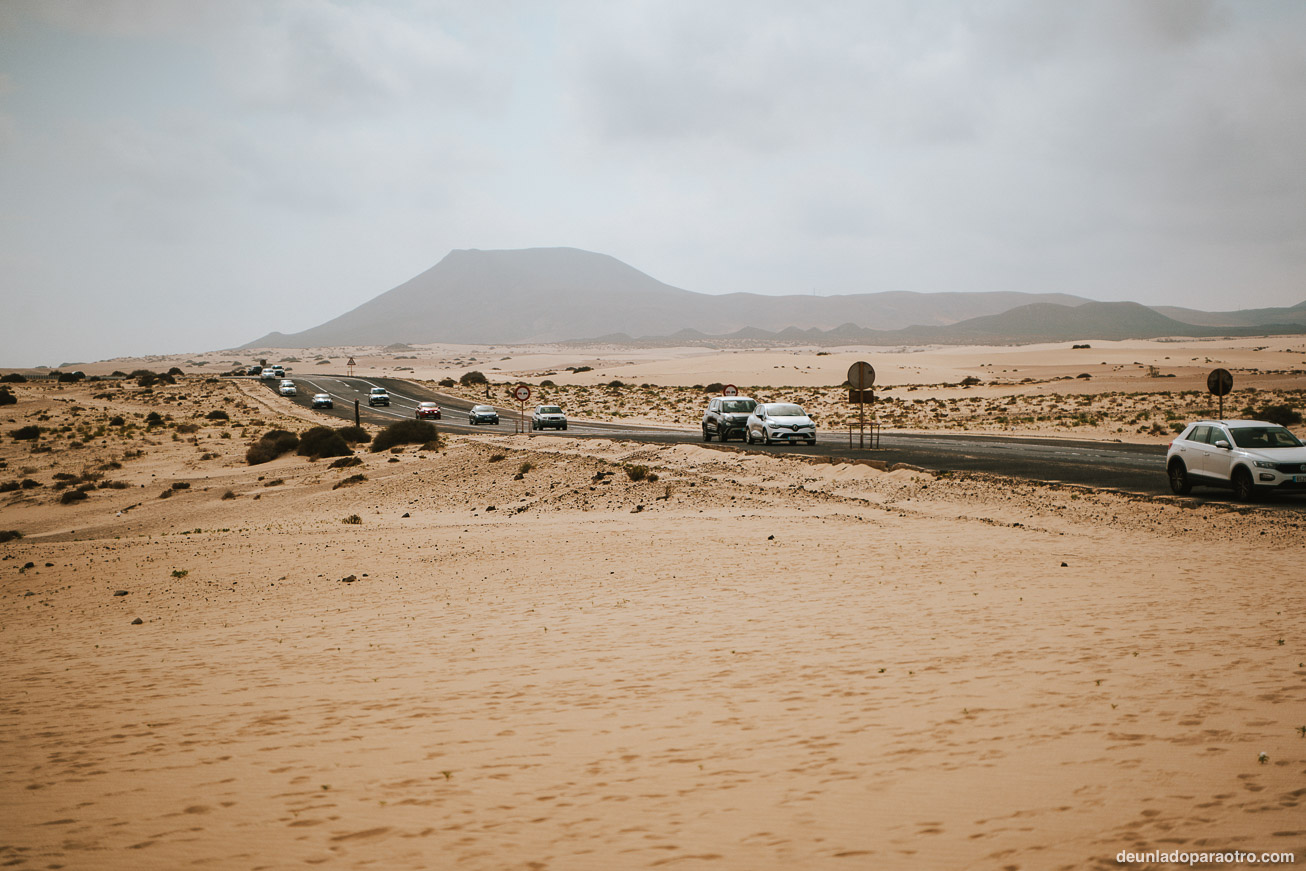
522,393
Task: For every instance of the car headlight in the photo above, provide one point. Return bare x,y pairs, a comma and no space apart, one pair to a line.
1264,464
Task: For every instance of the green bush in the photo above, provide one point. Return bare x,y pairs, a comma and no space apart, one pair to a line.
273,444
405,432
355,435
1283,415
322,441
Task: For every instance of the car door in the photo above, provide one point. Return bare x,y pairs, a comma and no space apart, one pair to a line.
1193,450
1218,460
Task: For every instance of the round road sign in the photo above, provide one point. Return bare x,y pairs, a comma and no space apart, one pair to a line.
861,375
1220,382
730,390
522,393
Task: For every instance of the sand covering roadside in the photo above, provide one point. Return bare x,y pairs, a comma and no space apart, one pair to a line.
748,662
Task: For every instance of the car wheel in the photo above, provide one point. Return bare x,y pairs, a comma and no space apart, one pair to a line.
707,436
1243,488
564,426
1180,483
811,441
766,437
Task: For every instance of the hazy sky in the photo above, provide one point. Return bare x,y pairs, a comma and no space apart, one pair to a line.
189,175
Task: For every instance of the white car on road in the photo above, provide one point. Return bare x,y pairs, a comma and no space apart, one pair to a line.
779,421
1248,456
287,388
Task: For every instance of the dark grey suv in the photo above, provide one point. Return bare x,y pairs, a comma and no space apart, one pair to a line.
727,417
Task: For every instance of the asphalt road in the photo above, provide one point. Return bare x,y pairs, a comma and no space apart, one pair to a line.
1128,467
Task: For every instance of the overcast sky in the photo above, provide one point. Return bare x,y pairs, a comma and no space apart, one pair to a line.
190,175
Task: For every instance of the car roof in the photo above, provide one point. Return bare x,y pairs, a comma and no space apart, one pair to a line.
1235,424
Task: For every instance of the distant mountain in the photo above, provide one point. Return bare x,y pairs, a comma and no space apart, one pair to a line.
1248,317
561,294
555,294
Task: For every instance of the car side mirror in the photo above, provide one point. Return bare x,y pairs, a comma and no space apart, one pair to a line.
1222,444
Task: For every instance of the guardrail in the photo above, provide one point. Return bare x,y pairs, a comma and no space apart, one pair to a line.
867,436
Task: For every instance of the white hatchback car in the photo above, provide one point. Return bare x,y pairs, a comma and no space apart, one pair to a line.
1248,456
779,421
287,388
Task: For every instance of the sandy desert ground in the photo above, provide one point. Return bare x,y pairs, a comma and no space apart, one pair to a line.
537,653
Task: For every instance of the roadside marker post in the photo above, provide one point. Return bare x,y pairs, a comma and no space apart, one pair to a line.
861,378
522,393
1220,382
351,364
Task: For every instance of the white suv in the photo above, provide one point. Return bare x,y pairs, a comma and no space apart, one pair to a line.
1249,456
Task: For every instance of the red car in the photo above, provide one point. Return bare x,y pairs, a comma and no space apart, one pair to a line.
428,411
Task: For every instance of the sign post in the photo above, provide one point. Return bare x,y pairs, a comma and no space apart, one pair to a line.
861,377
350,364
1220,382
522,393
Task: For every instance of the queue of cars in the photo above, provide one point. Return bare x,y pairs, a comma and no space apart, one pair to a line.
743,417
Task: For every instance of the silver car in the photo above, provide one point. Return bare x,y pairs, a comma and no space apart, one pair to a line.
780,421
482,414
547,416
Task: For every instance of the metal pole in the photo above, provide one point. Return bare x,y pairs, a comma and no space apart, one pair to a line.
357,422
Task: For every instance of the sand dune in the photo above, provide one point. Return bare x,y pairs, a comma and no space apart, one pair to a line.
747,663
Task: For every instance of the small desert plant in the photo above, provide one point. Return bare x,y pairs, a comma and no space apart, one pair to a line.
447,382
350,481
494,458
153,418
230,494
7,398
640,473
405,432
275,482
218,414
1284,415
352,519
271,445
13,378
117,420
72,496
345,463
473,377
355,435
25,433
9,535
322,441
180,573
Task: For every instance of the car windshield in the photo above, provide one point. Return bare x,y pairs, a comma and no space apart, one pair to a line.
737,406
785,410
428,405
482,408
1264,437
550,409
